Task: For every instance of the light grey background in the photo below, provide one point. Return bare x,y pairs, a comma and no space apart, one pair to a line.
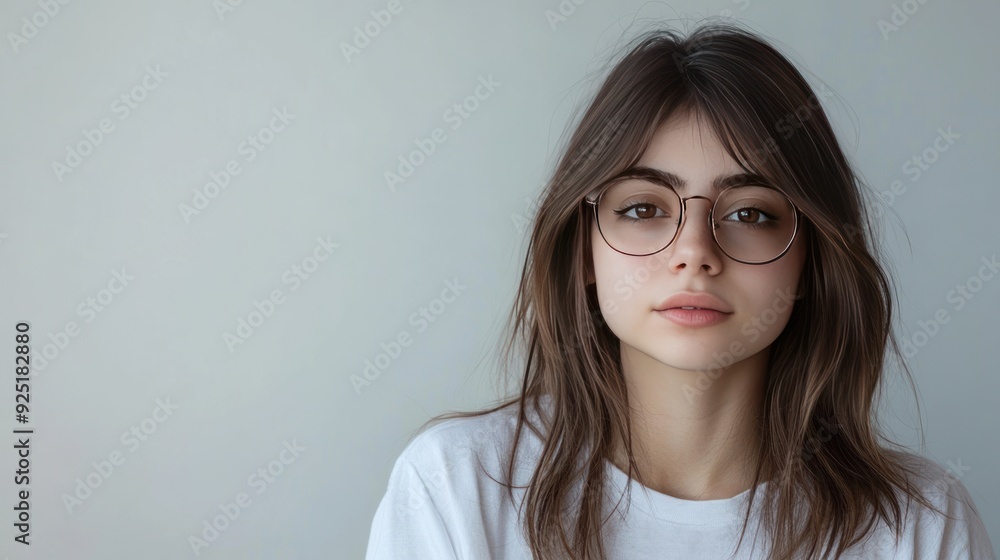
457,217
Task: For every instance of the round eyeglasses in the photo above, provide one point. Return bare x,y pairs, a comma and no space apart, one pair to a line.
640,214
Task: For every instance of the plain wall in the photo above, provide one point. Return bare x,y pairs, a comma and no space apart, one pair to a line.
208,79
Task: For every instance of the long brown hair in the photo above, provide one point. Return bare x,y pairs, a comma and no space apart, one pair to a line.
825,366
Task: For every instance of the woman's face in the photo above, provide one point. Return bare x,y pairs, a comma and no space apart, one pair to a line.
631,288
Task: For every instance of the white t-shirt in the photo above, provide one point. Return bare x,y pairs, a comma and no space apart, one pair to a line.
440,506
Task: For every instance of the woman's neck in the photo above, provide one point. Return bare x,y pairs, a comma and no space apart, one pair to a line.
699,448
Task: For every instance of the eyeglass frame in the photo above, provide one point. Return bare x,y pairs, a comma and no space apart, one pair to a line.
603,187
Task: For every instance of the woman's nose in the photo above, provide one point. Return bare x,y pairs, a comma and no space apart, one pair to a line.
694,244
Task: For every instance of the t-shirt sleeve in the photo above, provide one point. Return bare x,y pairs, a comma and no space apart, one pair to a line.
408,523
959,535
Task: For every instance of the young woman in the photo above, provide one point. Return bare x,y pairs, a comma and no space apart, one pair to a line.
705,324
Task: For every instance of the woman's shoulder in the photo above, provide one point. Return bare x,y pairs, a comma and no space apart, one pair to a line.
941,484
953,528
438,501
487,437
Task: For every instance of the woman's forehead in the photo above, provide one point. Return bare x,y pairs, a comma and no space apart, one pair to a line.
688,147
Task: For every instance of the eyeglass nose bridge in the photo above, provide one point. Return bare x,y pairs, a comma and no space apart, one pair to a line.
684,212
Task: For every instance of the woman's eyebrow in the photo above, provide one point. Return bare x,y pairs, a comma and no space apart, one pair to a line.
719,183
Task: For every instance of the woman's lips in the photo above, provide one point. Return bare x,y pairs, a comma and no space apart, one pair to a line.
694,317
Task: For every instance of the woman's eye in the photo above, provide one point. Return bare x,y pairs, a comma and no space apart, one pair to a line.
643,211
753,213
